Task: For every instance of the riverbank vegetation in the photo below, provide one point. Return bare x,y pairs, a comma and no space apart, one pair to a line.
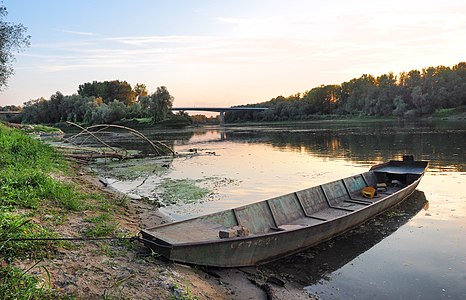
25,186
44,196
102,102
413,94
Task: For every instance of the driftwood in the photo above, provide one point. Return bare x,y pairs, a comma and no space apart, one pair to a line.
158,147
93,135
133,131
86,156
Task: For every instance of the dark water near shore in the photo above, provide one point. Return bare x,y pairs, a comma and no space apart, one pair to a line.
416,251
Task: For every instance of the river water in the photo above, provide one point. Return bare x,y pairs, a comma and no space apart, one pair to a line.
417,251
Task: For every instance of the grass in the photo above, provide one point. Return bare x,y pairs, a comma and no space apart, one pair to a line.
40,128
179,294
18,284
318,119
144,120
14,225
135,168
101,225
449,112
32,202
36,202
24,180
25,184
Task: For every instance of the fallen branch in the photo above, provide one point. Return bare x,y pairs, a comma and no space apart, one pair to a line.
85,156
97,138
158,149
134,132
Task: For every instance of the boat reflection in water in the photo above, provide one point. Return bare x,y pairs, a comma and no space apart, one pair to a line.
315,264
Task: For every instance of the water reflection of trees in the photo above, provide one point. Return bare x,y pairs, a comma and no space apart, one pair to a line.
444,148
310,266
442,144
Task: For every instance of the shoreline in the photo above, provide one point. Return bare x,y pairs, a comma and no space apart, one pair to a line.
147,275
212,283
436,117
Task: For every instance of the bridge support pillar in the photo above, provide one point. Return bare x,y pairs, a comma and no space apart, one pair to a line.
222,117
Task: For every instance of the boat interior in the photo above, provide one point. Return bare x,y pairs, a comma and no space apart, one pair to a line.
291,211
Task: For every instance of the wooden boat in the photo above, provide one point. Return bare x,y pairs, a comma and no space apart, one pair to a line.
270,229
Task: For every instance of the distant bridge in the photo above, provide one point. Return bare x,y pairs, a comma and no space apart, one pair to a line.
9,112
221,110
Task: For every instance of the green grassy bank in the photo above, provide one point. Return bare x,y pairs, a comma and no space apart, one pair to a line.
33,204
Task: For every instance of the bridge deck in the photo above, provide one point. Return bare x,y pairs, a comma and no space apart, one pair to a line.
220,109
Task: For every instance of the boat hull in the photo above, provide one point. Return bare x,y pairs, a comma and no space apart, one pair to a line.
261,248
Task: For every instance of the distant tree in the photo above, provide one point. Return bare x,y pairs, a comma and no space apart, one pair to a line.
88,89
116,111
145,102
420,101
140,90
134,111
460,70
108,91
161,104
121,91
13,39
387,91
323,99
400,106
354,93
11,108
33,110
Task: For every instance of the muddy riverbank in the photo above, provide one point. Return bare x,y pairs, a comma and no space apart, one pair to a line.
207,283
117,269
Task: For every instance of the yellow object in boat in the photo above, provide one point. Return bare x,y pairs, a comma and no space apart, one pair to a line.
368,192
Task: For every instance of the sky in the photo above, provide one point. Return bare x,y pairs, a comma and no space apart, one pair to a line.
224,53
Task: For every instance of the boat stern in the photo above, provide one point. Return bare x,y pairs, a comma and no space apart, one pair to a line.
162,247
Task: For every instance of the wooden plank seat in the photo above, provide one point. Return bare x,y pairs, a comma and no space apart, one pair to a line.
330,213
198,231
338,197
355,184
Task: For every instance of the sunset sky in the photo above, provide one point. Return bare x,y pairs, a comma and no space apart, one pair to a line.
223,53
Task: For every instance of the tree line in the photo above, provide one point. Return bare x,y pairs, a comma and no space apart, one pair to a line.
409,95
100,102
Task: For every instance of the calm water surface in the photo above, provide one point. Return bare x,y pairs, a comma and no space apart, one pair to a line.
422,258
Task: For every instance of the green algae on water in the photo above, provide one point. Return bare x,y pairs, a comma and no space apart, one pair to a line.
175,191
135,168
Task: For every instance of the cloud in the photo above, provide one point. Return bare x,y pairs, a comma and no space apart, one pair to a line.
346,41
82,33
153,50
